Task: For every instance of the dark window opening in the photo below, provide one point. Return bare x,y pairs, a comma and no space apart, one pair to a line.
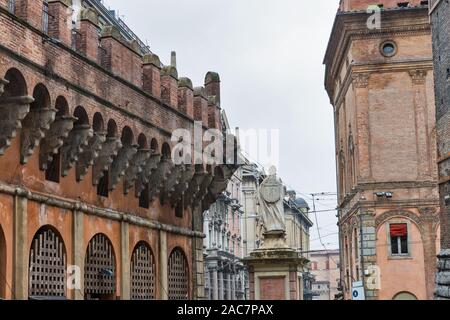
144,198
179,209
54,169
103,184
399,239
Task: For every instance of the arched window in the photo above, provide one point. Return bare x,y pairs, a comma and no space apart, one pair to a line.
143,273
2,264
99,269
405,296
178,276
47,266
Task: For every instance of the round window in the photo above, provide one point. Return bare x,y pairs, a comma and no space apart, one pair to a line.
388,49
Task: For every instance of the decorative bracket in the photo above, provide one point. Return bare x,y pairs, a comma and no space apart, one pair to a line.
194,188
54,139
3,83
136,167
150,166
35,126
109,150
183,185
172,180
120,164
74,145
12,112
90,153
157,179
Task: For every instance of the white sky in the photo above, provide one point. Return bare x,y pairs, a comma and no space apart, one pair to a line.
269,56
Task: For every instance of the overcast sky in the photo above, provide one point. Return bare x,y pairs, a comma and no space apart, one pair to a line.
269,56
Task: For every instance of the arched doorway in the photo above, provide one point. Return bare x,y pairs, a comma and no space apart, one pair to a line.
178,276
143,273
100,269
47,265
405,296
2,264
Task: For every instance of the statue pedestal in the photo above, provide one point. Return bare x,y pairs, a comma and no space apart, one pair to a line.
275,270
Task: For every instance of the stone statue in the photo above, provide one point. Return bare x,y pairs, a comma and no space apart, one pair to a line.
271,195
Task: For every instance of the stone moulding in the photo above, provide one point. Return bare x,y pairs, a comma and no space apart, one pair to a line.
35,126
74,145
102,213
90,153
3,83
12,111
135,167
54,139
120,164
106,156
150,166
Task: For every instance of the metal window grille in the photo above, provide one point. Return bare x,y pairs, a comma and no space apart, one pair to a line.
45,17
47,268
12,6
100,267
143,273
178,276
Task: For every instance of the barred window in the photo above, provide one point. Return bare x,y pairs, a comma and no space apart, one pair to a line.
47,266
178,276
143,273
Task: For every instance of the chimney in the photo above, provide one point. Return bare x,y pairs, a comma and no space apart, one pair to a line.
32,12
173,59
200,105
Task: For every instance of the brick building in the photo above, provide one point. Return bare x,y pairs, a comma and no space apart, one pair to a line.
379,77
440,21
325,268
87,113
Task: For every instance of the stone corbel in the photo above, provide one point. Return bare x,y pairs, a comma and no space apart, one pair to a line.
172,180
136,167
159,176
74,145
54,139
35,126
203,190
12,112
90,153
121,164
110,149
3,83
183,184
194,188
149,167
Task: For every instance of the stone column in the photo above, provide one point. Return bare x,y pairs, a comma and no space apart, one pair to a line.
228,297
233,287
215,284
163,263
362,130
221,284
421,121
78,253
125,261
20,284
369,255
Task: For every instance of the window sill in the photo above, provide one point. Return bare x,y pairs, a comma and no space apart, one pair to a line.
400,258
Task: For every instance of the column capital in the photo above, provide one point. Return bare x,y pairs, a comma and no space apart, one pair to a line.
418,76
361,80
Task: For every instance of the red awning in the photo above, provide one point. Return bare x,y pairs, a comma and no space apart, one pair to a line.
399,230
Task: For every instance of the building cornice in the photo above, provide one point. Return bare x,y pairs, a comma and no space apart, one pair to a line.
349,26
